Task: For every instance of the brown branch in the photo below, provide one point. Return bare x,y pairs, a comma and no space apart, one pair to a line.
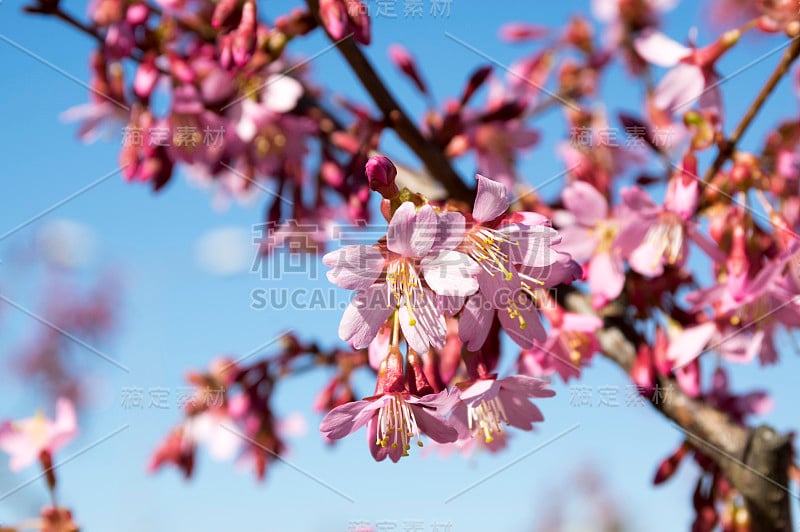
431,156
727,147
755,460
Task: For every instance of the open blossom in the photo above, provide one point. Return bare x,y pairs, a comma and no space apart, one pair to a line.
569,346
393,416
27,438
488,404
692,76
388,278
745,320
590,234
661,234
516,260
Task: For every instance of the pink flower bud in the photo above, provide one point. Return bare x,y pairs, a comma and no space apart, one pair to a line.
180,68
146,78
381,173
683,191
359,20
244,40
222,12
405,62
334,18
137,14
520,31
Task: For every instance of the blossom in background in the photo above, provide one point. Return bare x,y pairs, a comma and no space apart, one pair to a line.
590,234
26,439
660,235
569,346
692,76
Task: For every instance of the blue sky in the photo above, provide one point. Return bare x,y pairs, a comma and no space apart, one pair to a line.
177,316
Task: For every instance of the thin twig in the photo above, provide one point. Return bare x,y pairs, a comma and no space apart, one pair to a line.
728,146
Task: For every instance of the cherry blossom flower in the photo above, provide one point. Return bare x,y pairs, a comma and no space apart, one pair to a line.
663,233
590,233
393,416
25,440
419,247
569,346
516,258
692,76
488,404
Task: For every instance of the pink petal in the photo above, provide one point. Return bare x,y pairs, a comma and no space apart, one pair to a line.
364,316
585,202
680,88
427,328
578,241
655,47
434,426
281,93
354,267
452,229
378,451
756,403
647,260
528,386
688,345
606,276
347,418
523,332
639,201
412,233
491,200
451,273
475,322
480,390
65,427
580,322
520,412
379,347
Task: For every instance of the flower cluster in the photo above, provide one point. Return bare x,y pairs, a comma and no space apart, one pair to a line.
478,270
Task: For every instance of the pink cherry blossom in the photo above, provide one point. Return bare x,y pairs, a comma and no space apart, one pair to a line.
489,404
27,438
516,260
419,247
569,346
692,76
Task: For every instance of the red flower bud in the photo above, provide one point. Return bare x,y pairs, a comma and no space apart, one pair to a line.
381,174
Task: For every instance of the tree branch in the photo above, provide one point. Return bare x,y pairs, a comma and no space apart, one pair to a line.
431,156
728,146
756,461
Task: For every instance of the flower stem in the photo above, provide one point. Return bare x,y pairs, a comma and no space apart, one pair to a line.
727,147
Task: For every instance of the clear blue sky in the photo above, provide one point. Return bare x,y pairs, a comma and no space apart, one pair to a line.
177,316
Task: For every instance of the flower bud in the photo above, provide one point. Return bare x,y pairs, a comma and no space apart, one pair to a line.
381,174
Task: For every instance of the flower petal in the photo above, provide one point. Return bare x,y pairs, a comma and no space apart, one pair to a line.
354,267
688,345
585,202
655,47
412,233
680,88
364,316
434,426
475,322
451,273
491,199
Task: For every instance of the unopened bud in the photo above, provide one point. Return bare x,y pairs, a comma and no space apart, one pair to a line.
381,173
